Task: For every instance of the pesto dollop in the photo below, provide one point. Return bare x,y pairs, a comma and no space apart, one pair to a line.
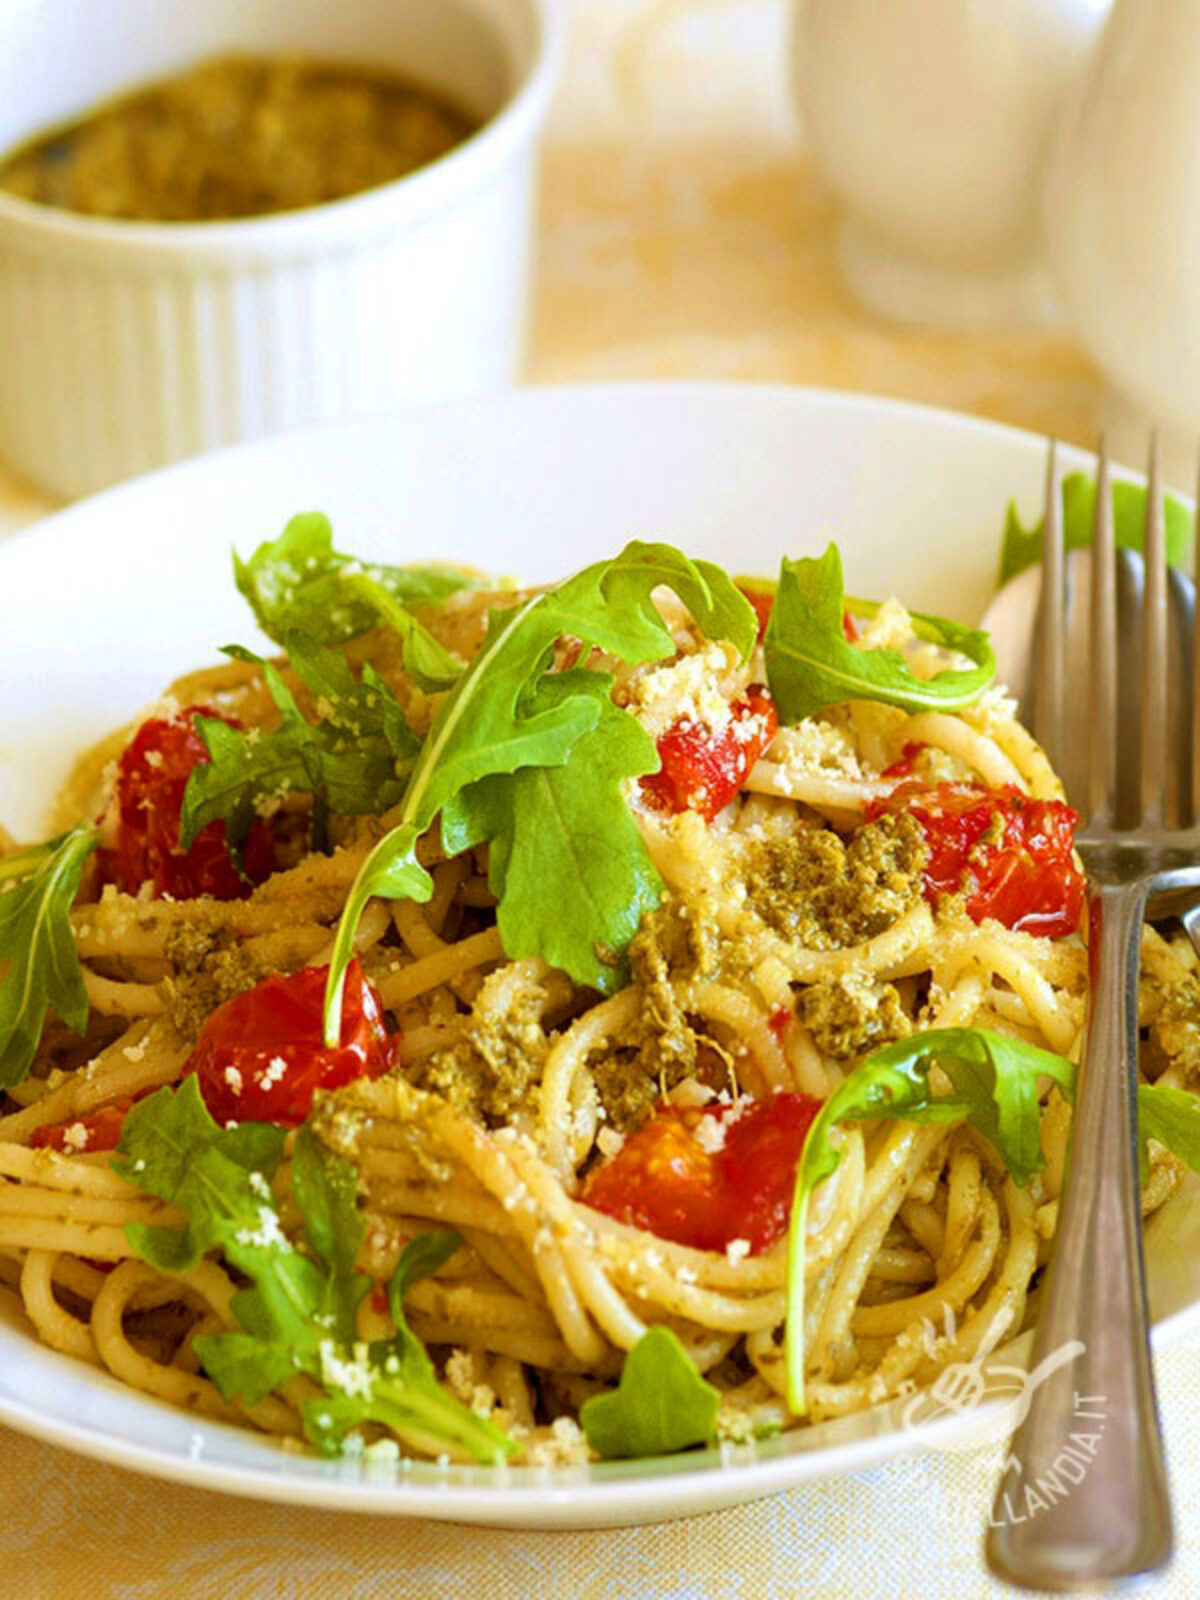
238,136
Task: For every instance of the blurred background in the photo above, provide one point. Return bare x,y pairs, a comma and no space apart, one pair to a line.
689,230
984,207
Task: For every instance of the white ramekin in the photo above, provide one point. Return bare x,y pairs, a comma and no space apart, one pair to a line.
126,345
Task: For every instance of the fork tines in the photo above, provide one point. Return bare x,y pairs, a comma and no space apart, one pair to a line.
1143,667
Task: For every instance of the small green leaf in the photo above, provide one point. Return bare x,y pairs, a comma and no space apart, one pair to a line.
326,1190
993,1088
171,1147
811,664
428,663
392,872
354,761
661,1404
1022,547
1172,1116
400,1388
37,890
567,825
421,1257
611,604
300,581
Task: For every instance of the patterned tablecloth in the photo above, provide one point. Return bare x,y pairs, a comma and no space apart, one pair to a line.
683,235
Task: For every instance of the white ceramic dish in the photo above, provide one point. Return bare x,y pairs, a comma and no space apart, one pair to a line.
102,604
127,345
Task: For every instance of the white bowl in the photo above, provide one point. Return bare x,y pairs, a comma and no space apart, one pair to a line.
916,497
128,344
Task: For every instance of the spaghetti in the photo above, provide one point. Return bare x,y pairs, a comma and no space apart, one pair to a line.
612,1159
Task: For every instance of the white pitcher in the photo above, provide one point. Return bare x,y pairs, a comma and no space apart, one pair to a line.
931,119
1123,209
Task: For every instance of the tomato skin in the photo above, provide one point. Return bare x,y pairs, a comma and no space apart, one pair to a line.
101,1128
1026,878
260,1056
905,768
763,602
664,1180
702,770
152,775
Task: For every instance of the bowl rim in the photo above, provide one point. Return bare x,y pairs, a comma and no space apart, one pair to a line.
409,198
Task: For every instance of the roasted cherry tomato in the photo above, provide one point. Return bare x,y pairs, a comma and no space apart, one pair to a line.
1011,852
152,775
260,1056
763,601
906,767
708,1177
98,1130
701,769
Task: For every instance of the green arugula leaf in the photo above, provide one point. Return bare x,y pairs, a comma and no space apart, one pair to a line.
297,1314
567,825
496,721
661,1404
610,605
170,1147
428,663
811,664
355,760
39,968
1022,547
326,1191
993,1088
400,1389
1172,1116
300,581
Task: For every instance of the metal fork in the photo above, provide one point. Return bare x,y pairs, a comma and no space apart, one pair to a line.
1099,1509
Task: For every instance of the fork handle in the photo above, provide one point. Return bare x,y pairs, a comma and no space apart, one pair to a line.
1083,1494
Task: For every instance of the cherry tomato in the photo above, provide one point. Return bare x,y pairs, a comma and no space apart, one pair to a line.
1024,876
906,766
703,770
260,1056
152,775
705,1178
98,1130
763,601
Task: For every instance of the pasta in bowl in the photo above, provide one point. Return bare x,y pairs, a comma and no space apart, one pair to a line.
531,1027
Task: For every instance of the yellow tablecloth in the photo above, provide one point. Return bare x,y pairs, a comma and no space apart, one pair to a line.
683,235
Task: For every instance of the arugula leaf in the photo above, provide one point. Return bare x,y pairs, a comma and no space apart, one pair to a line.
610,605
326,1192
429,664
993,1088
532,819
811,664
1172,1116
1022,547
300,581
297,1314
39,968
355,760
661,1404
497,719
403,1392
170,1147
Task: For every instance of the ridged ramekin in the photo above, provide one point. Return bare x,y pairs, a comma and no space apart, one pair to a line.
125,345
